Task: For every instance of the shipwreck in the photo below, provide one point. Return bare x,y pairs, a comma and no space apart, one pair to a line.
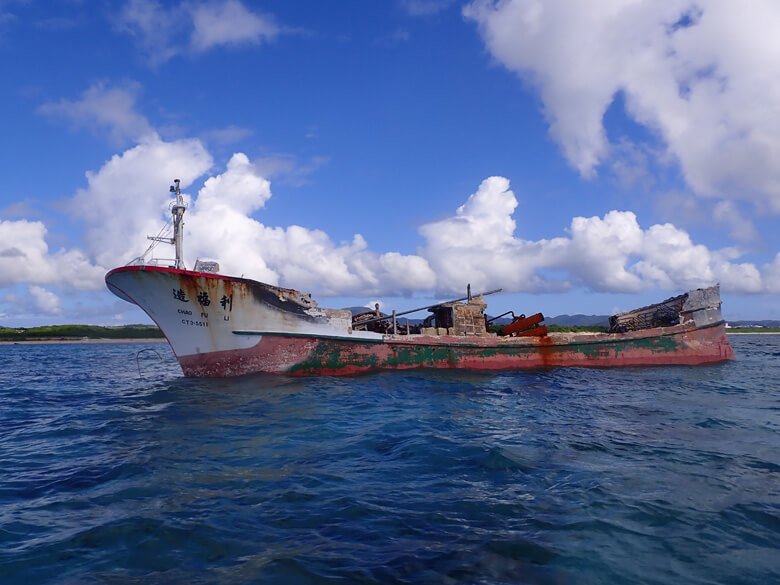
221,326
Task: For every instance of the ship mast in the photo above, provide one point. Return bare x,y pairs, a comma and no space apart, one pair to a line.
177,211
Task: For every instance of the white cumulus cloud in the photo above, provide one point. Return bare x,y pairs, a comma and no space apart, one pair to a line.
610,253
239,188
702,76
25,258
477,244
228,23
772,275
125,201
164,30
103,108
44,301
121,203
220,226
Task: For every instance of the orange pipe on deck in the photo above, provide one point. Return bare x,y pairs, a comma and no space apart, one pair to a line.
522,323
537,331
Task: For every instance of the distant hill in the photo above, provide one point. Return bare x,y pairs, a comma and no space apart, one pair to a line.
579,320
562,320
567,320
357,310
764,323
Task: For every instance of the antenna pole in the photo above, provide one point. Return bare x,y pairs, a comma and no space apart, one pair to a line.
177,211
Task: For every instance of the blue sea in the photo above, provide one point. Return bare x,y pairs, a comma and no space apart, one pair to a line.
115,469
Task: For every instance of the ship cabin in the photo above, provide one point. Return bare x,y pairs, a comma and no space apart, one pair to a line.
457,318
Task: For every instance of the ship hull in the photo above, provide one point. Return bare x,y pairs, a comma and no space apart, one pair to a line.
311,355
247,327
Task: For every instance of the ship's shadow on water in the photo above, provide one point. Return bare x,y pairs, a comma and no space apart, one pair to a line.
637,475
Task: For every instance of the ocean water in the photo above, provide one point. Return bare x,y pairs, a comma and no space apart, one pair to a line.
568,476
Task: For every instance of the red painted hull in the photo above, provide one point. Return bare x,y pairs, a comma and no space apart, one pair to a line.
305,355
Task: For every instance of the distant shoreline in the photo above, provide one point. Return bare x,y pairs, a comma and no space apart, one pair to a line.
163,340
752,332
90,340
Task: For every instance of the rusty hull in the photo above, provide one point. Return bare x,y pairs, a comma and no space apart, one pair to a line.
310,356
220,326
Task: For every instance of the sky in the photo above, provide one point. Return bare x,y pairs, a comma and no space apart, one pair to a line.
586,157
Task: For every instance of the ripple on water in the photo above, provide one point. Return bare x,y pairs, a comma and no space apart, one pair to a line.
638,475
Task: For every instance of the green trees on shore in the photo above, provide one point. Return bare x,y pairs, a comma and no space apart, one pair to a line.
79,331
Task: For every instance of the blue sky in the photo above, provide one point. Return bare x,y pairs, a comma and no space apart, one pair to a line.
587,157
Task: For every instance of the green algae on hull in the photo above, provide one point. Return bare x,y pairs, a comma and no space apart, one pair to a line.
347,356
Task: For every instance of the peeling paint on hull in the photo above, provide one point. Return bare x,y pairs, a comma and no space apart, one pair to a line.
268,329
305,356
